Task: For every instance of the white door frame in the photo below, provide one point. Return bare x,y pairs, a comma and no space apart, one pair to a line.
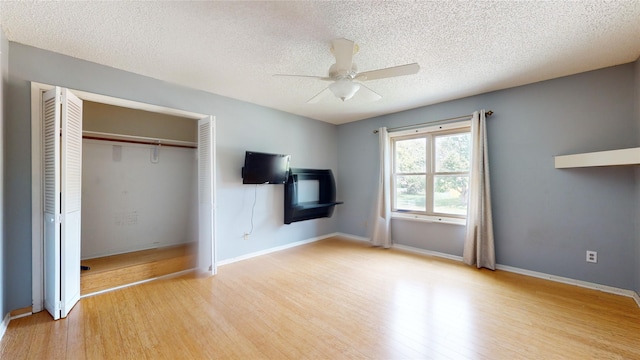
37,231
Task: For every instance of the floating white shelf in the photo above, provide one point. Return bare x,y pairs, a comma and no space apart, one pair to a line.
601,158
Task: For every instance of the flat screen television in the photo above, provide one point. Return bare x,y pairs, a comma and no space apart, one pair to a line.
263,168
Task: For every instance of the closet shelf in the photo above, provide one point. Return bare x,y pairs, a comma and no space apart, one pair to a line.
619,157
94,135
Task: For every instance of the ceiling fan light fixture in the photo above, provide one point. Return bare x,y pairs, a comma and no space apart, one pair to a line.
347,81
344,89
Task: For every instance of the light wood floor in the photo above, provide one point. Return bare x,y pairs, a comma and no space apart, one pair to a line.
337,299
112,271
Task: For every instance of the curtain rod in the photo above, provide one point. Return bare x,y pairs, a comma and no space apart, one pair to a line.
459,118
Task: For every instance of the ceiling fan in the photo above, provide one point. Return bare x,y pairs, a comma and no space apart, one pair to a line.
345,78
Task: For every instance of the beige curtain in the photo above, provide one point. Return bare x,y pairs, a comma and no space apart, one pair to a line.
478,245
381,234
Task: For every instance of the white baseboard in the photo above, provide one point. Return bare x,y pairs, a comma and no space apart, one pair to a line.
636,297
21,315
273,249
4,325
564,280
139,247
168,276
426,252
352,237
405,247
585,284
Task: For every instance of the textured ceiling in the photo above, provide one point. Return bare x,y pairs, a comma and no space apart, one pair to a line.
233,48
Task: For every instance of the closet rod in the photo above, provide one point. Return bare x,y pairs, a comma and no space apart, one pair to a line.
137,142
459,118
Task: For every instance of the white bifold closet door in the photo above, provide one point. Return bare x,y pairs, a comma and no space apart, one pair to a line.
62,115
206,196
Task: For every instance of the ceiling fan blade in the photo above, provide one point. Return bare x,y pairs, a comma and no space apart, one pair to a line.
401,70
319,96
367,94
323,78
343,51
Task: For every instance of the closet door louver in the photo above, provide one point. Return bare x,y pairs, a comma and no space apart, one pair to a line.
62,198
71,160
206,196
51,117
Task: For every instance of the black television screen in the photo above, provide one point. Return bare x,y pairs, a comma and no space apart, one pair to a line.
263,168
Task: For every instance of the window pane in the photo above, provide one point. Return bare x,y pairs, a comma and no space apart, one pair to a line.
453,152
450,194
411,192
411,156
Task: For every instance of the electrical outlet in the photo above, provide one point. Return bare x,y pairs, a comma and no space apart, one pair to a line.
592,256
245,236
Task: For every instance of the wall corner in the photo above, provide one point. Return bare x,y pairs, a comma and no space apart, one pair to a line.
636,107
4,72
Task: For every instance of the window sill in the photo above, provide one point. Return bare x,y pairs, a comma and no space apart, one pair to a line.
429,218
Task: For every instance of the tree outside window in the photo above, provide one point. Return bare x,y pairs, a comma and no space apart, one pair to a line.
431,173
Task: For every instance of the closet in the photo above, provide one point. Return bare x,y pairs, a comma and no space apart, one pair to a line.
117,181
139,196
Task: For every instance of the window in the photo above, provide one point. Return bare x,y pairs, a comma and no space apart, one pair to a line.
430,171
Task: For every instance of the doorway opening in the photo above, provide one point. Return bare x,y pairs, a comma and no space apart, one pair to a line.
200,233
139,196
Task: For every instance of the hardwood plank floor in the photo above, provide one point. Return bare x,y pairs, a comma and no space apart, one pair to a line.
108,263
112,271
338,299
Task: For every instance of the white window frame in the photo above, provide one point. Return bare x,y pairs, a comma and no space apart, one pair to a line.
427,131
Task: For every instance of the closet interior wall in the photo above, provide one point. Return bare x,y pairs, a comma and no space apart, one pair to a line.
136,196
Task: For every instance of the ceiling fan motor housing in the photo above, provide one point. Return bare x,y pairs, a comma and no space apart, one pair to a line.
344,74
338,74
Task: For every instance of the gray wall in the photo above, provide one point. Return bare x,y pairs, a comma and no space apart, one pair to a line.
240,126
544,219
131,203
637,113
4,68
